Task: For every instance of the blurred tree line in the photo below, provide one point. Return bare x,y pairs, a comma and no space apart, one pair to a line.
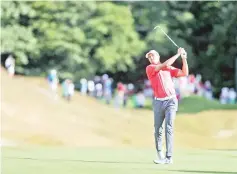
81,39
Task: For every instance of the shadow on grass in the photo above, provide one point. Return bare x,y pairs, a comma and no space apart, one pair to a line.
75,160
201,171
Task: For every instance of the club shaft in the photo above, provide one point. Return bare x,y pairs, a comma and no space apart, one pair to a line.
167,36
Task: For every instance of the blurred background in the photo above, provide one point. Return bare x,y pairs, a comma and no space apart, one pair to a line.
73,73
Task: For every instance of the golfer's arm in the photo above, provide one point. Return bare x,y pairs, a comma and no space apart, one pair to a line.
185,67
185,70
168,62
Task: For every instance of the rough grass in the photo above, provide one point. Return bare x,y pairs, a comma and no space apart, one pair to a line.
31,116
88,137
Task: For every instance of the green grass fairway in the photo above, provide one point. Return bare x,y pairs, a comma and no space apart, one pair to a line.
61,160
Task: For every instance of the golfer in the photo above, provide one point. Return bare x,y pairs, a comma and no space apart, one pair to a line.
165,103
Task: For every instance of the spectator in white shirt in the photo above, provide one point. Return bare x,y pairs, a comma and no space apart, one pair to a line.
232,96
10,65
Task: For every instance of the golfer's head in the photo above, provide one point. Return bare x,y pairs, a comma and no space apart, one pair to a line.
153,56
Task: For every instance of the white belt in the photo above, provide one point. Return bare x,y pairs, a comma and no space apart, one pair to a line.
165,98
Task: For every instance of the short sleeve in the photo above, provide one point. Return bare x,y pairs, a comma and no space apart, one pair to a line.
150,71
173,71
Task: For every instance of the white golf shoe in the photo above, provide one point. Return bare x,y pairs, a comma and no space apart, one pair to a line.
164,161
160,158
168,161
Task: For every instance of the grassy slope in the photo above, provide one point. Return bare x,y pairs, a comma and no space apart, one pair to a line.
30,115
196,104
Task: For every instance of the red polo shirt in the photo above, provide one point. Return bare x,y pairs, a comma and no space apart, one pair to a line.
161,81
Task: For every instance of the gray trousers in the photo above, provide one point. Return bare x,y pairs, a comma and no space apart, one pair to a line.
164,110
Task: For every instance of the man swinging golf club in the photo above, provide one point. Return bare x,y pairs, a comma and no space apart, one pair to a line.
165,103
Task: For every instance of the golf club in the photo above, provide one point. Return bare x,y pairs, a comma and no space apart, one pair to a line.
166,35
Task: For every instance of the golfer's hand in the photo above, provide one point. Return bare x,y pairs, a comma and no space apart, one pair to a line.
183,54
179,51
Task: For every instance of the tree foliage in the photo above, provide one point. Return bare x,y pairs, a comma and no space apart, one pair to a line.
83,38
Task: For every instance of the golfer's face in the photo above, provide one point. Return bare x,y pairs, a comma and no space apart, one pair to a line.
154,58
